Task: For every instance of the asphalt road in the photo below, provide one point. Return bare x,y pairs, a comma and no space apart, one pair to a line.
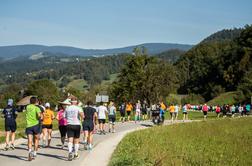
56,156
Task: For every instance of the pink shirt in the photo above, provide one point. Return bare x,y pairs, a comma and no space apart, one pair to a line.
62,120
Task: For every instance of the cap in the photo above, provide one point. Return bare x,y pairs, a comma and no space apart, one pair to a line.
47,105
10,102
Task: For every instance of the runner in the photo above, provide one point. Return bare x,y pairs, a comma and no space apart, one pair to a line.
90,116
233,110
185,114
122,109
218,110
248,107
172,110
240,110
176,111
205,110
33,114
144,110
101,111
162,111
138,111
47,126
73,115
112,117
10,115
129,109
42,109
62,124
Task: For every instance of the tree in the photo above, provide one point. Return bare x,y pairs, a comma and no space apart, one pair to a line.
144,78
45,90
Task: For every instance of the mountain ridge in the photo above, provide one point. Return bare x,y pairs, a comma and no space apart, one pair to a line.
13,51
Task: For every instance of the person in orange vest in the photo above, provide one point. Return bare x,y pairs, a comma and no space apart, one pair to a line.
129,109
48,117
172,110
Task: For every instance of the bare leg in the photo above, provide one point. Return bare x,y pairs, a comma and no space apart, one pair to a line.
36,142
30,139
7,138
44,131
49,136
13,134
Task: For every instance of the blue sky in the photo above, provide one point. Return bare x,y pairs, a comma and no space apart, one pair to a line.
117,23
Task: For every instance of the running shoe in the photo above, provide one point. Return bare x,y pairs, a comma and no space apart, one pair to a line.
7,147
70,156
12,147
30,156
76,156
90,147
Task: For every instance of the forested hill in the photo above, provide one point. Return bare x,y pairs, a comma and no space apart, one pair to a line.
224,35
211,68
28,50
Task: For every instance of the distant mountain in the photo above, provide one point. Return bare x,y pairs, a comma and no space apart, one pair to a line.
224,35
24,50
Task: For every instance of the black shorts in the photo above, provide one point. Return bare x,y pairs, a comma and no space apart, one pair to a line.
88,126
184,112
63,131
73,131
144,112
112,118
34,130
101,121
47,126
11,127
217,113
233,113
205,112
122,113
128,113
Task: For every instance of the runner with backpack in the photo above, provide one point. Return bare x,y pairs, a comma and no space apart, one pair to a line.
10,115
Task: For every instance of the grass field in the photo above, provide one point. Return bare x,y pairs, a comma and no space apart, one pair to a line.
224,98
212,142
78,84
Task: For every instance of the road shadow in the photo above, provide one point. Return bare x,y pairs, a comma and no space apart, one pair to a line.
147,125
57,137
21,148
54,156
23,158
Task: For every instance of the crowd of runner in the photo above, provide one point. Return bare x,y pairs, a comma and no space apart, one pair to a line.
91,119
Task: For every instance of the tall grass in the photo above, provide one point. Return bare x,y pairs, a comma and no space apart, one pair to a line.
212,142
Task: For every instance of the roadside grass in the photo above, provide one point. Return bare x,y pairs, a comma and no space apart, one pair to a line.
212,142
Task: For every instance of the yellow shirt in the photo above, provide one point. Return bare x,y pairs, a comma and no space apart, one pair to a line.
48,116
163,107
172,108
129,107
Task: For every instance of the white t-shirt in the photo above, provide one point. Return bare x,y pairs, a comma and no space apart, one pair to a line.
102,112
176,108
72,114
